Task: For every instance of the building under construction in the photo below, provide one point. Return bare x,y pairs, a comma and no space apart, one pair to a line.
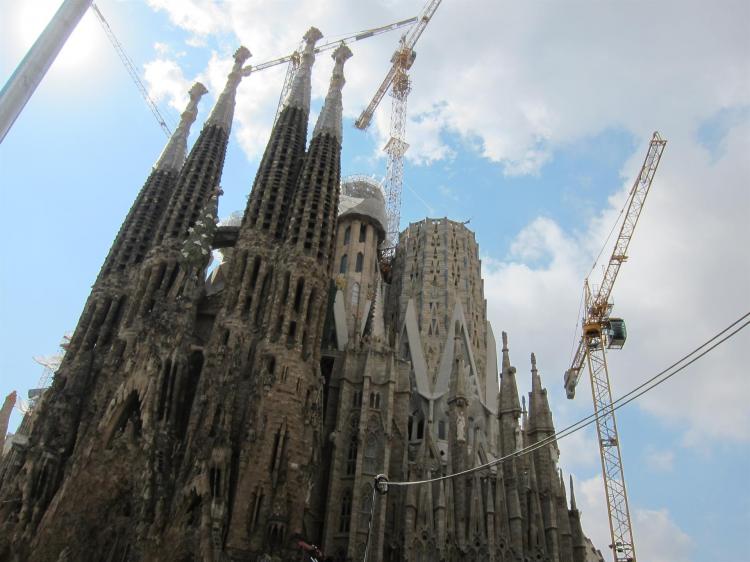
244,414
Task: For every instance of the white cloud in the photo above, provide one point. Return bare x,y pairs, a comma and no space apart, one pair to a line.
523,85
659,460
657,537
197,16
683,283
165,81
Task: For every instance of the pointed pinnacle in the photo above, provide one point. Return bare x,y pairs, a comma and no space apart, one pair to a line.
299,94
329,120
572,495
506,356
223,112
173,156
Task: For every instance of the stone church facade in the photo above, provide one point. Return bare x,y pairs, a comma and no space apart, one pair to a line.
244,415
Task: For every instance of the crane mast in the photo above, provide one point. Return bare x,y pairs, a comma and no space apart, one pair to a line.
294,58
601,331
397,79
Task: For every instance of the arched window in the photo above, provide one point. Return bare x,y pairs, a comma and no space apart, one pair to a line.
347,234
363,233
342,267
346,511
355,295
360,262
351,457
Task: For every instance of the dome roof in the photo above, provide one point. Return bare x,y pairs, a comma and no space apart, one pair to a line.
362,196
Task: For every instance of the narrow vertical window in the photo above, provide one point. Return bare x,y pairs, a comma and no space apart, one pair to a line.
363,233
355,295
342,267
346,511
347,234
360,262
351,457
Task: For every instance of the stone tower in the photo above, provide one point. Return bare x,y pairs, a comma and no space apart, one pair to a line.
423,401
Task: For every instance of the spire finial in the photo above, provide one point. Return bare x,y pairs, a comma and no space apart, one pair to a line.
299,94
573,506
506,356
329,120
223,111
173,156
536,381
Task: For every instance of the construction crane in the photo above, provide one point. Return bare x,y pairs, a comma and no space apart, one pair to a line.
293,60
397,79
601,331
295,57
130,67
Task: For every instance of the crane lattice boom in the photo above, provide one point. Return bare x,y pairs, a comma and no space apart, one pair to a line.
397,79
600,331
599,307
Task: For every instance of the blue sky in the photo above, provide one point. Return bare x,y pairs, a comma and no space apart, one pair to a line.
530,119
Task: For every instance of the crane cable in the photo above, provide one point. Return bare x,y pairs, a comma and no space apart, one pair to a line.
626,398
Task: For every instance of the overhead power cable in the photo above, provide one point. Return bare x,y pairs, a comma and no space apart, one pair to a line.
623,400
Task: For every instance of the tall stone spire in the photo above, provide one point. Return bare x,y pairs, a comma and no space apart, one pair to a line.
316,198
223,112
202,170
173,156
136,234
267,208
329,120
299,93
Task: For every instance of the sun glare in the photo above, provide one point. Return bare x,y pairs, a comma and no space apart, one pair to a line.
83,47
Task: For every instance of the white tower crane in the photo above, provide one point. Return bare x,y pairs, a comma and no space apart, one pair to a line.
397,79
600,331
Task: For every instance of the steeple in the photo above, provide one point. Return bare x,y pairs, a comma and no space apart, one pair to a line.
540,414
573,506
223,112
313,216
508,388
173,156
299,93
329,120
267,208
136,234
202,170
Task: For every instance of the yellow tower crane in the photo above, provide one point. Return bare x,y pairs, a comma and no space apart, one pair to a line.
600,331
397,79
